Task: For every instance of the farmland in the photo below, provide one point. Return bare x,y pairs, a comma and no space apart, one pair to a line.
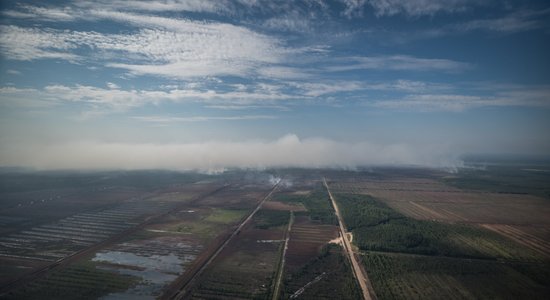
423,234
398,276
418,233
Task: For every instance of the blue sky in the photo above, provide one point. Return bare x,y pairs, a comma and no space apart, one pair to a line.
202,84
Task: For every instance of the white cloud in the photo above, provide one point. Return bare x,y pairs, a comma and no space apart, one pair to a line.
516,22
25,98
398,62
213,6
280,72
32,43
438,102
196,49
288,151
112,85
419,7
326,88
13,72
169,119
525,96
113,99
47,14
248,107
291,22
353,8
63,14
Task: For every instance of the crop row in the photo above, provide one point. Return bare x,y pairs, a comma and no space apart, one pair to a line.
57,240
396,276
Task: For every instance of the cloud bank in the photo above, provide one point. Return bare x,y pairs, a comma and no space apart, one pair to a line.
288,151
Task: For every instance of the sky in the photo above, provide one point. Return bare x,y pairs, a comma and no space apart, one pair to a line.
214,84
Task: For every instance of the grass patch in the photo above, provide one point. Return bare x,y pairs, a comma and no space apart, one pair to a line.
225,216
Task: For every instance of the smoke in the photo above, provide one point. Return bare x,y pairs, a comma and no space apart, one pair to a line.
288,151
274,180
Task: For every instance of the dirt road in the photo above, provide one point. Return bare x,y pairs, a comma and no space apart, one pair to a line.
358,272
281,268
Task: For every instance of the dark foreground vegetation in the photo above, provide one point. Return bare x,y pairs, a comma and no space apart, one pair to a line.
80,281
400,276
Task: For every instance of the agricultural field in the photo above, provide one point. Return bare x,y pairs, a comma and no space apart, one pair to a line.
377,227
423,235
326,276
516,211
83,280
400,276
316,204
246,268
307,239
419,233
150,238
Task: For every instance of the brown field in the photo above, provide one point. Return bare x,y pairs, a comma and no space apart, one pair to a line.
427,199
536,238
276,205
306,240
245,268
236,197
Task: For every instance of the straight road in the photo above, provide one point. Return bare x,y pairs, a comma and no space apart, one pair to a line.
281,268
181,288
358,272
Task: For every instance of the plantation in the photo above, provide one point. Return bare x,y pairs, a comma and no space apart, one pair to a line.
397,276
377,227
328,276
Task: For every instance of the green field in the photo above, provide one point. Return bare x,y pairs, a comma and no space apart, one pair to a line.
225,216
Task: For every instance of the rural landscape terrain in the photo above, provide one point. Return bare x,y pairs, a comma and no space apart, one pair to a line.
482,232
266,150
